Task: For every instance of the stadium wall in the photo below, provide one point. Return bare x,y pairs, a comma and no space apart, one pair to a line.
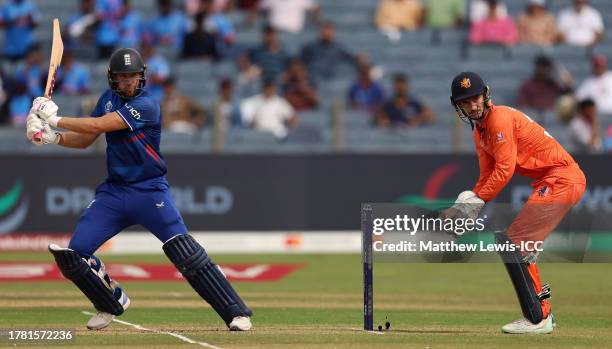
263,193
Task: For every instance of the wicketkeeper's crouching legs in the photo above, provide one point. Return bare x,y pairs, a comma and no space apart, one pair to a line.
90,276
525,276
205,277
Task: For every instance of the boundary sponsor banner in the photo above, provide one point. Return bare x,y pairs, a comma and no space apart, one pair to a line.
31,241
24,271
288,192
248,242
214,242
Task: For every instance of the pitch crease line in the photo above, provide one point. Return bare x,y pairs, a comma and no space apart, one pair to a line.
366,331
181,337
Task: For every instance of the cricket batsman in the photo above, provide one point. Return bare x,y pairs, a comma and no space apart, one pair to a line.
508,141
135,192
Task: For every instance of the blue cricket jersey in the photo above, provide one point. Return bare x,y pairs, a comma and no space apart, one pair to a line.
132,154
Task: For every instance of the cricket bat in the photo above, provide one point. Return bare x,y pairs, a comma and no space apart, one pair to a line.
57,50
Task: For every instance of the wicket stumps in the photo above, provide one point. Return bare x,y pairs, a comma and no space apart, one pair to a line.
366,254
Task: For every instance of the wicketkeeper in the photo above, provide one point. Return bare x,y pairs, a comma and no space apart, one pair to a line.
135,192
508,141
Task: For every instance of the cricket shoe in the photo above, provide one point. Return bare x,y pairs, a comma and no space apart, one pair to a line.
102,320
524,326
240,323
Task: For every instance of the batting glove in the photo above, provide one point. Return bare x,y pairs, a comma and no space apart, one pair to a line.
33,125
46,109
48,136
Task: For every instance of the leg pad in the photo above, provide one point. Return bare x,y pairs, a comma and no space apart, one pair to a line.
205,277
96,289
521,279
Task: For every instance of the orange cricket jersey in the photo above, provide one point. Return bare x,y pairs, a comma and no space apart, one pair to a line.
509,141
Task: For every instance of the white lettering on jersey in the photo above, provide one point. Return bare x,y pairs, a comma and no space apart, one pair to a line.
135,113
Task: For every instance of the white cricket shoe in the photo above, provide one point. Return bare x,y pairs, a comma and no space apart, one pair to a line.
102,320
523,326
240,323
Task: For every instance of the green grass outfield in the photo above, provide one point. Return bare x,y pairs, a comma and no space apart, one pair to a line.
320,305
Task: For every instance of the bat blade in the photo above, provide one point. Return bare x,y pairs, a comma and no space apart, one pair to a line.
57,51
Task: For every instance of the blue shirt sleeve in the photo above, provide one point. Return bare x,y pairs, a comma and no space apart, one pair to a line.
99,109
140,112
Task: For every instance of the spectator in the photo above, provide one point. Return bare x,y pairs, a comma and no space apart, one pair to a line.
18,18
199,43
393,16
108,13
216,23
192,7
81,25
158,70
30,72
444,14
270,56
20,102
250,7
540,92
169,27
220,24
608,140
228,105
131,26
289,15
494,29
73,77
598,87
268,112
249,77
324,56
537,26
584,128
299,91
25,84
580,25
403,110
182,114
366,94
3,111
479,10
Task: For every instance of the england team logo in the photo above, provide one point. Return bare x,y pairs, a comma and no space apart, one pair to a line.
108,106
127,58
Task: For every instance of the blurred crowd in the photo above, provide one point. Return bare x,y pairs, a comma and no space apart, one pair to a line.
272,86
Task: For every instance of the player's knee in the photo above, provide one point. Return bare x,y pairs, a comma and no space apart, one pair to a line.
186,253
83,249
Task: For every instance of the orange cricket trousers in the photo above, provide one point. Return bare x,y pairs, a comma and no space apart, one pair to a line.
552,198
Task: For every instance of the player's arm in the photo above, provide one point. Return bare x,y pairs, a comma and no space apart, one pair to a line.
35,126
46,109
504,153
106,123
76,140
486,164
